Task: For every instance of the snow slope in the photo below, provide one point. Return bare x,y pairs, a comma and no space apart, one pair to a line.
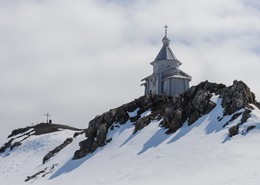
200,154
26,159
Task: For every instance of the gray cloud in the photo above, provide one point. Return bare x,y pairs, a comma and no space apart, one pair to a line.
77,59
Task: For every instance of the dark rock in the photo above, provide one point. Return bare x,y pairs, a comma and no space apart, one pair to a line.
141,123
57,149
122,115
78,154
132,106
200,100
19,131
94,146
101,134
43,173
236,97
142,110
211,105
143,101
250,128
233,130
235,116
35,175
109,117
220,118
134,119
112,127
246,114
194,117
45,128
76,134
16,144
79,133
176,122
109,140
91,131
85,148
190,105
206,86
6,145
87,133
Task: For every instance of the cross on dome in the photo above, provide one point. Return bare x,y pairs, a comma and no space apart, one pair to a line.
165,39
166,27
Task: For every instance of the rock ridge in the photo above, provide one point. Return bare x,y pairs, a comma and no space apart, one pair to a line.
172,112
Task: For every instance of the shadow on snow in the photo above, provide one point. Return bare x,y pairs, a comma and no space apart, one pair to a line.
71,165
158,138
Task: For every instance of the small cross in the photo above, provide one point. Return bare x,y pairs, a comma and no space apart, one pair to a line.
166,27
47,115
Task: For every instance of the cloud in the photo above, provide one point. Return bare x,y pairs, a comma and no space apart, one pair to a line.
77,59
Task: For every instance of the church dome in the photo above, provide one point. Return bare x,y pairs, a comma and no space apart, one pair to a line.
166,41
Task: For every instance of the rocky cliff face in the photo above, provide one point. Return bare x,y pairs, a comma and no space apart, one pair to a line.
172,112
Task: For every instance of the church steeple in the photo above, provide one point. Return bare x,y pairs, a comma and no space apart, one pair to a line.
166,52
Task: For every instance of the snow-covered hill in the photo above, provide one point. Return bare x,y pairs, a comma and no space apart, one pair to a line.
208,135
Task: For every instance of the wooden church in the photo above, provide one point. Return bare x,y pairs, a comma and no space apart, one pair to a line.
167,78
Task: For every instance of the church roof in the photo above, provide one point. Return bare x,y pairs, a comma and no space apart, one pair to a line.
166,52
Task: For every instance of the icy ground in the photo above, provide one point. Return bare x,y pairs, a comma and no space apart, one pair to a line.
200,154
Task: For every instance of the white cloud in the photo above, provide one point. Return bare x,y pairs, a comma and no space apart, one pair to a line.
77,59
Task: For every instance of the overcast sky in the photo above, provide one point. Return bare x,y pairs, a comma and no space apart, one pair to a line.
76,59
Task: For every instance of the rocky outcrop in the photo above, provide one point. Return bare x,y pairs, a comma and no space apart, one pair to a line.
234,130
56,150
99,126
19,135
6,145
42,173
236,97
190,105
172,111
20,131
